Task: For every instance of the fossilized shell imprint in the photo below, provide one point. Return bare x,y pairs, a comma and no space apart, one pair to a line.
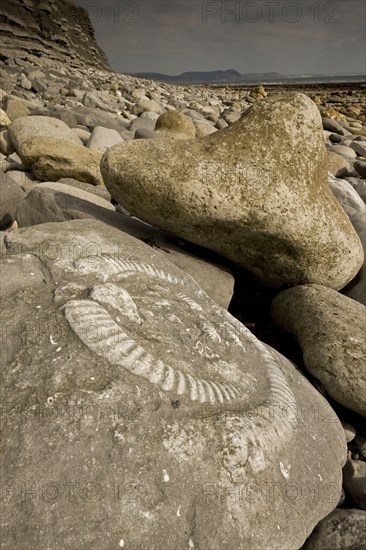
112,343
116,346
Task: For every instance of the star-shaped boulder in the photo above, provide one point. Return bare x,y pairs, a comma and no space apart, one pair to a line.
255,192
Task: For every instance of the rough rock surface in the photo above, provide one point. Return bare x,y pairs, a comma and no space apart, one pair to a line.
57,202
100,377
330,329
103,138
352,204
241,193
50,31
341,530
176,125
354,481
50,159
24,129
338,166
10,197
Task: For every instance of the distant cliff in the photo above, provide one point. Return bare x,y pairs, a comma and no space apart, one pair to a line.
50,31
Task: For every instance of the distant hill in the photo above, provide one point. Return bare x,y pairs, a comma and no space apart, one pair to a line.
210,77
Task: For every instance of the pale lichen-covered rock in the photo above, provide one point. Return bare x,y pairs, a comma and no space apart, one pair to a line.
4,119
24,129
176,125
50,159
159,420
330,329
256,192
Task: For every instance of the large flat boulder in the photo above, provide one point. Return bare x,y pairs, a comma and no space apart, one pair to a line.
140,414
256,192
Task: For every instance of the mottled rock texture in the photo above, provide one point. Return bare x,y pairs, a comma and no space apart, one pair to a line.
256,192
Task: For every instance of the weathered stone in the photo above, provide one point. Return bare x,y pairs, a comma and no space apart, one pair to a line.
91,100
65,115
6,146
359,185
354,481
83,135
10,197
202,265
15,109
360,167
24,129
150,114
176,125
98,190
204,129
4,119
349,431
341,530
343,150
50,159
146,104
334,114
24,82
15,162
337,165
25,180
57,202
359,147
352,204
334,126
277,219
221,124
91,118
139,383
103,138
330,329
231,116
146,133
141,122
334,138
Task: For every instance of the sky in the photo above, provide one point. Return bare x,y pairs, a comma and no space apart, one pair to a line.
288,37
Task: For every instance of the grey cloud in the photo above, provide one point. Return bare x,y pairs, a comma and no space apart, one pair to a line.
172,36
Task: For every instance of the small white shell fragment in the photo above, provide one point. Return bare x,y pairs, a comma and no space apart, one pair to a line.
52,340
190,543
58,349
178,512
285,471
165,476
121,543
